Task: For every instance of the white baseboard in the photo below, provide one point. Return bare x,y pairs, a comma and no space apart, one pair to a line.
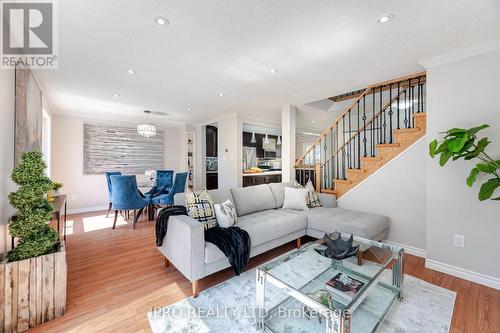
415,251
486,280
87,209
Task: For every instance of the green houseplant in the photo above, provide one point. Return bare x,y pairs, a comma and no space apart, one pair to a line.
463,143
30,225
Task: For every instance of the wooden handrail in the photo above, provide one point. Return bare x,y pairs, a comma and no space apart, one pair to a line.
366,92
365,126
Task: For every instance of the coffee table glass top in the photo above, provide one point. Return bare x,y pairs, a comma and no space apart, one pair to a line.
302,272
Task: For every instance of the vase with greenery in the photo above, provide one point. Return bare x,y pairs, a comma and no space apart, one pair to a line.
36,237
463,143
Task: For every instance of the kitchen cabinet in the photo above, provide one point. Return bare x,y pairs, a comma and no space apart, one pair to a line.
259,138
211,141
212,181
260,179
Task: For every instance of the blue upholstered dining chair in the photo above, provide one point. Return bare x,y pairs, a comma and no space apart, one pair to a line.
164,180
110,188
126,196
179,186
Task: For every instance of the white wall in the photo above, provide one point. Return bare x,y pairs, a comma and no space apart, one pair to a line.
397,191
89,192
7,93
463,93
229,151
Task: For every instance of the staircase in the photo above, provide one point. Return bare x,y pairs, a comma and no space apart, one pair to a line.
380,124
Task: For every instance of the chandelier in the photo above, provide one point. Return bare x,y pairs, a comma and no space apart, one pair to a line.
147,129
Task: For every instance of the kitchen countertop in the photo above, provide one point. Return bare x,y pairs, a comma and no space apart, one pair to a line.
264,173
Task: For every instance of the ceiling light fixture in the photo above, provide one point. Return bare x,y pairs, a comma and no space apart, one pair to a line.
312,122
130,71
189,108
385,18
273,71
147,129
279,140
116,95
221,94
266,140
252,140
161,20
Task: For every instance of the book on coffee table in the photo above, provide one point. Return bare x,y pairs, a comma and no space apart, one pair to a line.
344,285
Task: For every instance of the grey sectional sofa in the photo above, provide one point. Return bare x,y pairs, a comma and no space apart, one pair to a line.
260,214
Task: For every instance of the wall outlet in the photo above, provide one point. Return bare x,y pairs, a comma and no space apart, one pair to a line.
459,240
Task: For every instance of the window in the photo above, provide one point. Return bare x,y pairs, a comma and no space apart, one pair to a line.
46,131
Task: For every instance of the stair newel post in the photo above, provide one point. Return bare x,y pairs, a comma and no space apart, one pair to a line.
317,169
390,113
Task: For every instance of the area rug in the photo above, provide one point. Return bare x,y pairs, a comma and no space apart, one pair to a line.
229,307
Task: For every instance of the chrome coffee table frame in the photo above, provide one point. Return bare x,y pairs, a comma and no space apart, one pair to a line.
337,321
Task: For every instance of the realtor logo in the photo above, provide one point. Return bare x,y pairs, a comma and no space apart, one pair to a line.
28,34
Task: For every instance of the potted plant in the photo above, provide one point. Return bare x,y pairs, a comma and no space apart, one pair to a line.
38,259
460,143
56,187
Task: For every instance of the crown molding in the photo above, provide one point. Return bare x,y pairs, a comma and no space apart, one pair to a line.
461,54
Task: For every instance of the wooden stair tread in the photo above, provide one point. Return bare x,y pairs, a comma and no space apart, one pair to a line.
407,130
387,145
328,191
342,181
356,170
372,158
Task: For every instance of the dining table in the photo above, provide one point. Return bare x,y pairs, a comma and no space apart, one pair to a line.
144,188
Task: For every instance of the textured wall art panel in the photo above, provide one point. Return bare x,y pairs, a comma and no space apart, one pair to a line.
114,148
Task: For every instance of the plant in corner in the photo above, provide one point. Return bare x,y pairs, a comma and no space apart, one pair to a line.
463,143
30,225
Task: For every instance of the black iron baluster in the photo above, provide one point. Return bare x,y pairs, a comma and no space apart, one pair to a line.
397,105
364,125
418,95
343,146
350,146
381,121
390,113
336,156
372,122
358,133
405,121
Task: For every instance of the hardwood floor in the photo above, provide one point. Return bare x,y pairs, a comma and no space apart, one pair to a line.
116,276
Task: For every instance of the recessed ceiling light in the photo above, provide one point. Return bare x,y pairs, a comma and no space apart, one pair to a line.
273,71
130,71
385,18
161,20
116,95
221,94
189,108
312,121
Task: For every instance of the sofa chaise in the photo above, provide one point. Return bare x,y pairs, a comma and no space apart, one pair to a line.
260,214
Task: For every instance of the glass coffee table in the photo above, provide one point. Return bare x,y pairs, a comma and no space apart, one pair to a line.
302,291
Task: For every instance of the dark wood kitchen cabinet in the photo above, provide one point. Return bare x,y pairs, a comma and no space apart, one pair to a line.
211,141
212,181
260,179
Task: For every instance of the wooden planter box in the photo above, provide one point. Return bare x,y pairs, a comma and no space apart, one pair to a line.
32,291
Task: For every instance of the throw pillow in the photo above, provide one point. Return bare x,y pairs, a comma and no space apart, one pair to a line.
225,213
295,198
200,207
312,196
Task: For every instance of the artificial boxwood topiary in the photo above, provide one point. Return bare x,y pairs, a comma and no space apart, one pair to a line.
36,238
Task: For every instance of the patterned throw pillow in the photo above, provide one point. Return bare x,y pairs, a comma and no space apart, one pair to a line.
312,196
200,207
225,213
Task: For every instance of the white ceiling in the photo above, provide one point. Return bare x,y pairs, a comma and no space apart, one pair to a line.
319,49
